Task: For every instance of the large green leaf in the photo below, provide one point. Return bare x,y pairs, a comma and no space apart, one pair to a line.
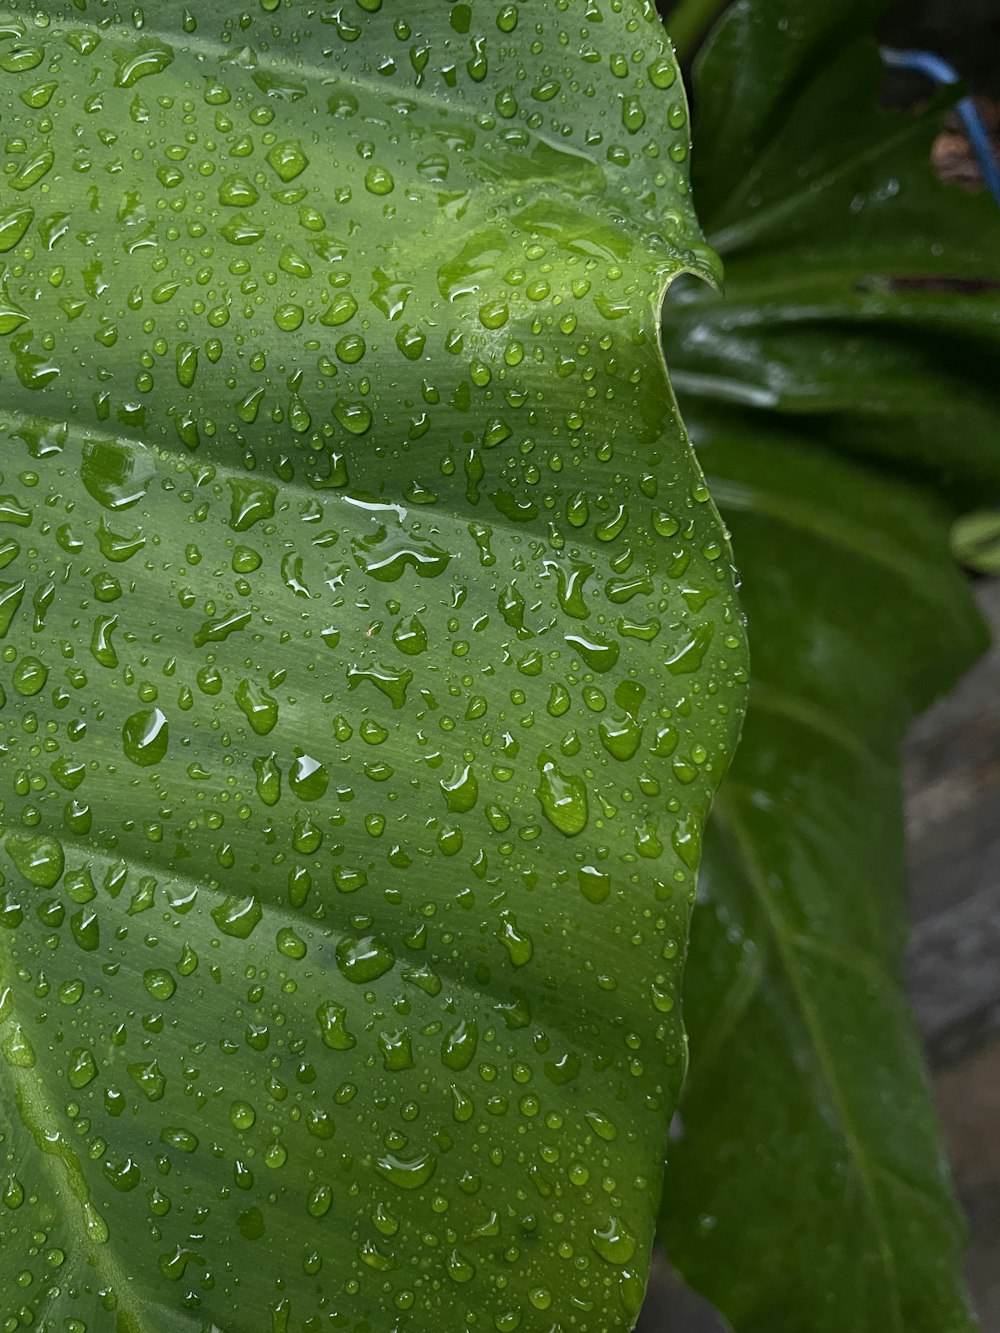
810,1156
370,657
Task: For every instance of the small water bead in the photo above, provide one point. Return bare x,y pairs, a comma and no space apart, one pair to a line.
242,1115
238,917
288,160
82,1068
268,776
149,1079
29,676
332,1025
461,789
518,943
364,960
258,706
146,737
458,1047
41,860
308,778
290,944
407,1173
379,181
562,796
289,317
183,1140
160,984
320,1200
397,1050
237,192
614,1242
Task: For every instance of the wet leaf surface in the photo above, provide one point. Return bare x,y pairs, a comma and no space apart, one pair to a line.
370,657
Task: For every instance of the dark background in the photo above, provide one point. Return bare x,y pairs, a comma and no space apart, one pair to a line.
965,32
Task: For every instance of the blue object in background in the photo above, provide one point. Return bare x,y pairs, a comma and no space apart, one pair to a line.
925,62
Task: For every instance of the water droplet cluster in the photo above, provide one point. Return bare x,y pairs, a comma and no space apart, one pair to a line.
368,659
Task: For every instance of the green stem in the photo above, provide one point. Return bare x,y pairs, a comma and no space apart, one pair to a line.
689,22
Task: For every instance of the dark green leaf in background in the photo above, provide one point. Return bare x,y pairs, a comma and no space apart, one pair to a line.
861,294
369,660
808,1190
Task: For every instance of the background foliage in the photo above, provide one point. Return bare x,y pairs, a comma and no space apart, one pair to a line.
844,403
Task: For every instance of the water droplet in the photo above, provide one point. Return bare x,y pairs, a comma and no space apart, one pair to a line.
614,1241
320,1200
409,636
517,942
150,60
461,789
81,1068
595,885
238,917
307,778
332,1017
159,983
460,1269
251,502
13,224
116,475
259,707
459,1045
289,317
599,653
379,181
13,1192
11,316
366,959
290,944
149,1079
242,1115
40,860
268,779
145,737
396,1048
29,676
562,796
691,653
288,160
407,1173
389,682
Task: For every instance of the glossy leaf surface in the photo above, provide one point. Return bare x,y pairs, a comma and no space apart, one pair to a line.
808,1188
370,658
